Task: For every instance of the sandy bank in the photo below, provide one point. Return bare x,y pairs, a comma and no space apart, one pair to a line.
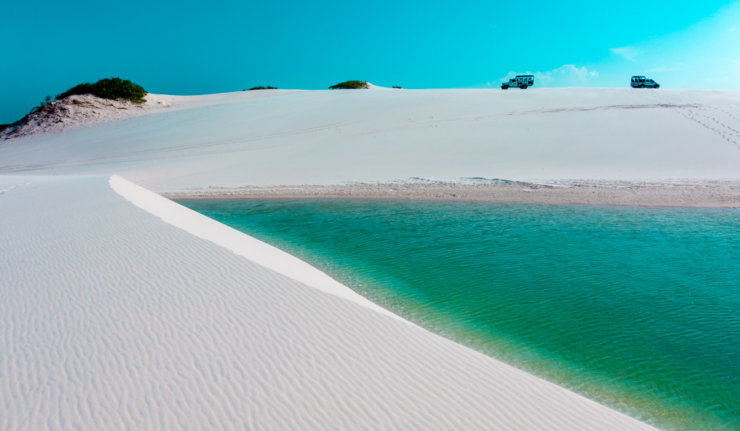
713,194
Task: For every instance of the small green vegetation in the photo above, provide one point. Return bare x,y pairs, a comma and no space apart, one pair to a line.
349,85
109,88
262,87
397,86
41,105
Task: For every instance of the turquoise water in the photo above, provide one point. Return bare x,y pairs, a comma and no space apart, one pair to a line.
637,308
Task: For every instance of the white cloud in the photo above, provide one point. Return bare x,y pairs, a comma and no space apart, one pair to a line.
567,75
629,53
665,69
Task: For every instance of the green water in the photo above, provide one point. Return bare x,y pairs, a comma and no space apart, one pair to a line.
637,308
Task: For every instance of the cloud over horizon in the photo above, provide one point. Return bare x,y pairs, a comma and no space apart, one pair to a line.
629,53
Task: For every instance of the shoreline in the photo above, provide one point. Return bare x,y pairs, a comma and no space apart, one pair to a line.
702,194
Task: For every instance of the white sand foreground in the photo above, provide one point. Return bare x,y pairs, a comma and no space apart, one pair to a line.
129,312
112,318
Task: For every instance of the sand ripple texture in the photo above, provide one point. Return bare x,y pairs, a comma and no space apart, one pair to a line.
113,319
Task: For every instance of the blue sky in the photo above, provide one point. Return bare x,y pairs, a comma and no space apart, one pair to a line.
186,47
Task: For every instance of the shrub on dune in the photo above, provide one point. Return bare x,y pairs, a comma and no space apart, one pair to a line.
349,85
109,88
261,87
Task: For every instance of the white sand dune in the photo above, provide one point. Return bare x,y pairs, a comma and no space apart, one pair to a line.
121,310
326,137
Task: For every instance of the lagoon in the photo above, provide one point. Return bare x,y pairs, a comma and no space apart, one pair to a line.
637,308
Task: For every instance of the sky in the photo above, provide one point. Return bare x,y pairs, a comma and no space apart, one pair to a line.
196,47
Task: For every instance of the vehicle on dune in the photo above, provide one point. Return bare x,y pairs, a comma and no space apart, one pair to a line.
521,81
639,81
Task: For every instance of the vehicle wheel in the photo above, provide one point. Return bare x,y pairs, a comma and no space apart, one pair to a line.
657,85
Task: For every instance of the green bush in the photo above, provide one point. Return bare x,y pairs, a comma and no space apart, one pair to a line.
261,87
109,88
397,86
349,85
